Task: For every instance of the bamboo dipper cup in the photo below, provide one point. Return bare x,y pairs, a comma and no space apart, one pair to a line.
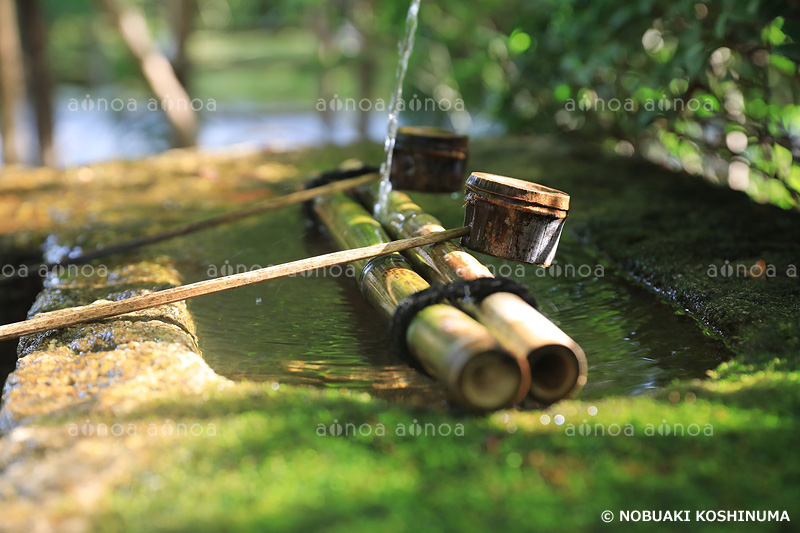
429,159
514,219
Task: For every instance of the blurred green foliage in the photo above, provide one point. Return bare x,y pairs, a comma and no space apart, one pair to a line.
708,87
694,85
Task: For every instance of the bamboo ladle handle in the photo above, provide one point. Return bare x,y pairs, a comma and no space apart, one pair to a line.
96,311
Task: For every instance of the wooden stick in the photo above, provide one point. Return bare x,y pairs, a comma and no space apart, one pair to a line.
449,344
558,364
97,311
191,227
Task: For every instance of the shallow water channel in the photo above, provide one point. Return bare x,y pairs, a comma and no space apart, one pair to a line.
316,329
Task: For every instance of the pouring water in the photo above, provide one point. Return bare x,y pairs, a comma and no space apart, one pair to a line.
405,47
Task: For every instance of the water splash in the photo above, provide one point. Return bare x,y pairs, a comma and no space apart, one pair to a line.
405,47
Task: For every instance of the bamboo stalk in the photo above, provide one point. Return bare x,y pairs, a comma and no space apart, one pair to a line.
558,364
192,227
451,346
96,311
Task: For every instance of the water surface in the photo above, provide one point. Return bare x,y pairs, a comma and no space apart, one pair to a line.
316,329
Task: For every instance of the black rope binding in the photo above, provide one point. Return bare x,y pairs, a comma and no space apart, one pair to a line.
475,290
329,177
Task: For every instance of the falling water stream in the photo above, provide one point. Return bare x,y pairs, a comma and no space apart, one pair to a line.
405,47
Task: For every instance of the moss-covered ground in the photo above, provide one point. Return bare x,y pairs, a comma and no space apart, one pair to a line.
279,458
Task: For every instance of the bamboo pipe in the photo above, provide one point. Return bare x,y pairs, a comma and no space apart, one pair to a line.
558,364
97,311
451,346
192,227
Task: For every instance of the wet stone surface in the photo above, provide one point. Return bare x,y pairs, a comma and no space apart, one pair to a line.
106,366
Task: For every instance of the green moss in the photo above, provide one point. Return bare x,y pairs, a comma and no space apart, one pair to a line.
273,462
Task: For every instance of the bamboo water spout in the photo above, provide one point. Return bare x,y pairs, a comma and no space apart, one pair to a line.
448,343
558,364
451,346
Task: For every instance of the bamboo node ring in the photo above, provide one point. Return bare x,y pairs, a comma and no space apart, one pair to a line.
476,290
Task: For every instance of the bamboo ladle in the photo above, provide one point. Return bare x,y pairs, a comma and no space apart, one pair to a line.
484,230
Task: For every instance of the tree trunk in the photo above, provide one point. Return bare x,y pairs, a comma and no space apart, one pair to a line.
40,76
156,69
368,62
367,70
11,78
325,52
182,22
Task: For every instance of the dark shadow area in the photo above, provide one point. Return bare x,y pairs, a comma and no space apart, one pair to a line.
15,300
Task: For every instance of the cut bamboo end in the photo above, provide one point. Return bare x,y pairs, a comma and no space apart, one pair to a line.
490,381
557,363
555,373
477,372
